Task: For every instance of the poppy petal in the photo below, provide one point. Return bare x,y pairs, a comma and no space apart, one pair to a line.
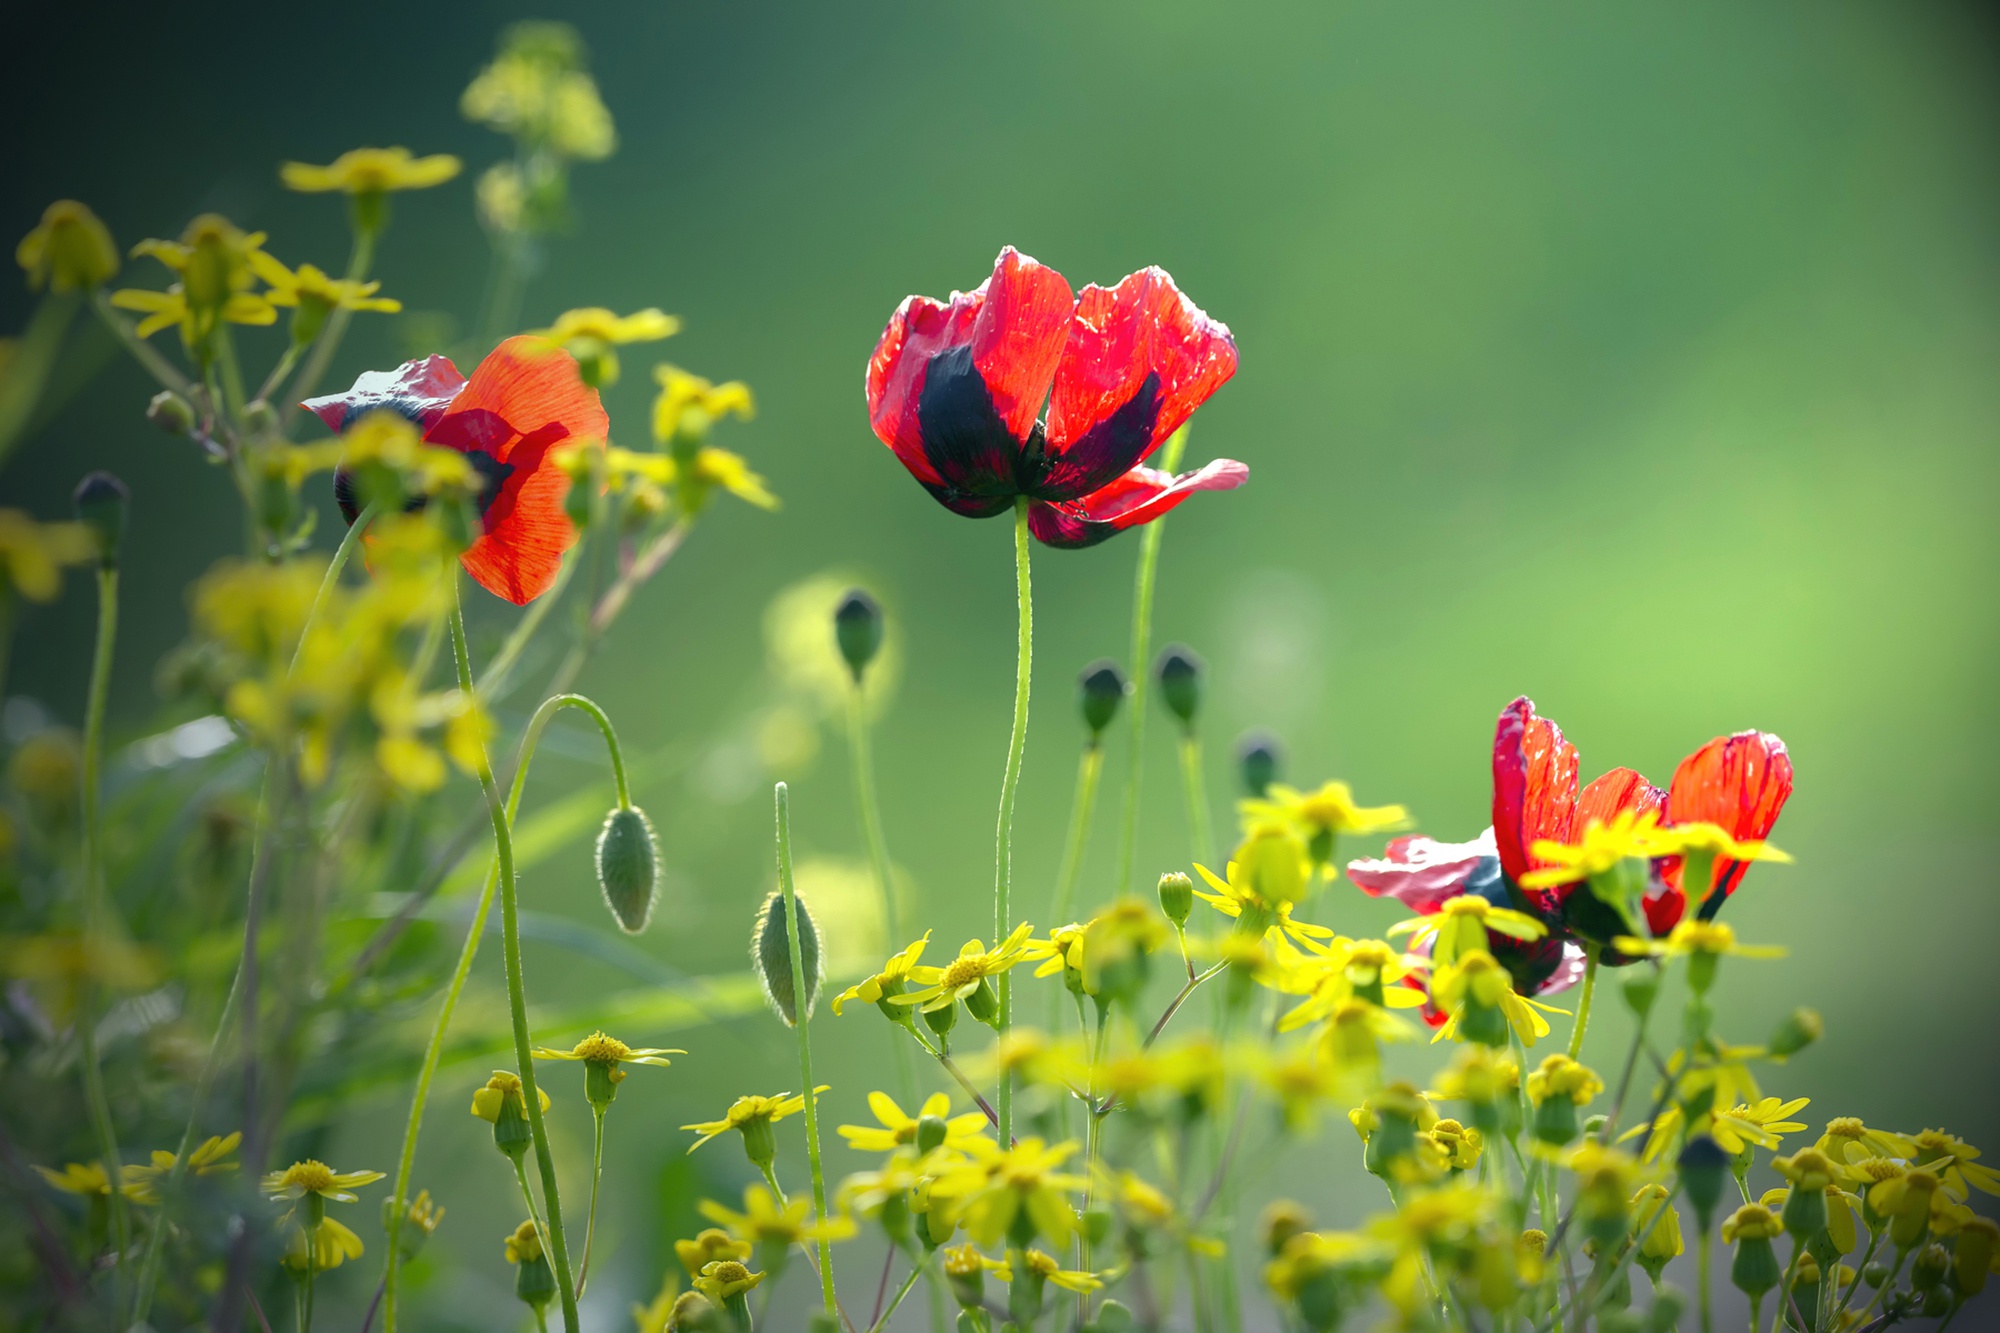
1534,787
419,391
1138,496
1422,873
1739,783
523,400
1612,794
954,387
1139,359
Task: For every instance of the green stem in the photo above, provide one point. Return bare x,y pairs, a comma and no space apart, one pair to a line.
596,1177
1704,1264
1197,797
1010,779
1093,1145
1785,1288
278,372
893,916
142,351
534,1212
530,738
916,1272
27,372
93,915
517,1000
306,1317
335,328
1088,769
1590,952
1142,641
801,1023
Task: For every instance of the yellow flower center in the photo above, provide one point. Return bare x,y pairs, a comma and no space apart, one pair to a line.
1704,936
963,972
600,1049
962,1261
728,1270
1466,904
1845,1127
312,1177
1041,1265
745,1109
1934,1141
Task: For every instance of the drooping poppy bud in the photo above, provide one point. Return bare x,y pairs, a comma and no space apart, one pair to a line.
101,502
770,946
1179,673
628,867
1100,689
1259,758
857,628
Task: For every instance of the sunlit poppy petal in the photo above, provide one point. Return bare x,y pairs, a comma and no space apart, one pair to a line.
1534,785
1739,783
1139,496
419,391
1140,358
1420,872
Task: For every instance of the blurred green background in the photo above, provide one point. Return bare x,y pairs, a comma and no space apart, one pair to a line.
1643,360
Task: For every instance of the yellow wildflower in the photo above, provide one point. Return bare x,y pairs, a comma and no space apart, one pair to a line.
965,974
1713,938
725,1278
764,1221
316,1178
1329,810
689,404
211,1157
69,250
899,1129
501,1088
1014,1190
888,982
1956,1163
590,334
1044,1266
1630,835
370,171
707,1247
1460,924
750,1114
599,1049
1478,981
1847,1139
330,1245
33,554
1762,1122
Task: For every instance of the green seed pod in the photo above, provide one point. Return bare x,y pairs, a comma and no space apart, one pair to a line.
1800,1029
857,629
984,1003
770,946
628,863
101,502
1176,896
1259,758
941,1020
1179,673
535,1282
1755,1268
1100,689
170,412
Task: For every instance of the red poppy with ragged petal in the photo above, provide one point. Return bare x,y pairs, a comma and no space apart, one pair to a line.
956,389
525,399
1739,783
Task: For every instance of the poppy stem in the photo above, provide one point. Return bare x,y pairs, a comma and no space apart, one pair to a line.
1142,645
1010,780
419,1100
801,1019
895,915
1088,770
517,1000
93,917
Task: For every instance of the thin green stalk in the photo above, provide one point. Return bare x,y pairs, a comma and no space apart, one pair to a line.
1197,798
530,738
916,1271
358,259
517,1000
93,915
1094,1145
895,914
1590,952
1010,779
1703,1267
142,351
493,680
306,1318
534,1212
27,371
278,372
1142,642
801,1023
1785,1288
1088,770
596,1178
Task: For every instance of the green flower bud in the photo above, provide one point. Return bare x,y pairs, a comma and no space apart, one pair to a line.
1799,1029
628,867
1755,1268
260,418
1642,987
941,1021
1176,896
1875,1273
101,502
984,1004
1113,1317
857,629
1259,757
931,1131
692,1313
535,1282
170,412
1928,1268
1100,690
770,946
1179,673
1703,1166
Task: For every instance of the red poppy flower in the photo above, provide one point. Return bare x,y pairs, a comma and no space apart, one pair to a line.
522,401
956,389
1739,783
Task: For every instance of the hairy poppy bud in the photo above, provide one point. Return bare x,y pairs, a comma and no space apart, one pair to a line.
1799,1029
628,867
1100,689
170,412
1702,1164
1259,757
1176,896
857,629
771,946
1179,674
101,502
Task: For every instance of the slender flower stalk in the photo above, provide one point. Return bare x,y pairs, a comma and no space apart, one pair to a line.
1583,999
93,912
1088,770
517,1003
358,259
1142,647
1196,792
801,1019
895,913
1011,779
